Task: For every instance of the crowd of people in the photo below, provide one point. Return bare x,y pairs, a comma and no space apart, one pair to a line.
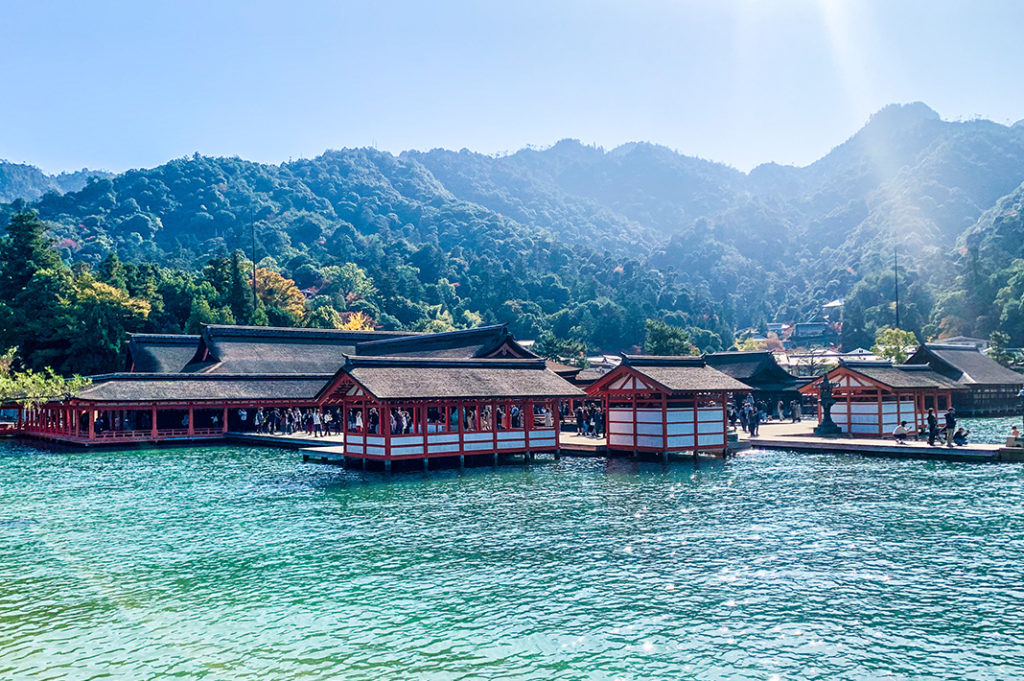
325,422
751,413
590,420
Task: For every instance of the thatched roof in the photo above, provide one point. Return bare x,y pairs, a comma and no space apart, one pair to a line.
274,350
675,374
397,378
160,352
966,365
759,370
484,341
132,387
894,376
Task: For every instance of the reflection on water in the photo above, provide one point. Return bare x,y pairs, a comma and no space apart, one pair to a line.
237,563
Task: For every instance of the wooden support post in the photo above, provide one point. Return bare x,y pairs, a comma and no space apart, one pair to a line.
191,421
495,459
152,425
387,465
462,460
92,424
426,464
224,427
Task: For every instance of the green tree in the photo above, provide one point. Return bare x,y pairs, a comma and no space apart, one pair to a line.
665,339
997,349
27,388
894,344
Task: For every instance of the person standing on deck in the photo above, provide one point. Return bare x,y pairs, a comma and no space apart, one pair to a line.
318,429
950,426
755,421
778,411
933,427
243,416
579,419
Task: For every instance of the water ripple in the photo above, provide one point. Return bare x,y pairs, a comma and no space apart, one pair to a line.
239,563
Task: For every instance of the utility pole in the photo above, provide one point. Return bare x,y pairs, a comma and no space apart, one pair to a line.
896,283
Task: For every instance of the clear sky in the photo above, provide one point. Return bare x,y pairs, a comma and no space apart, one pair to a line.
114,85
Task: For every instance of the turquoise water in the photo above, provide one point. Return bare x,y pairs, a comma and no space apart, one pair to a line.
991,430
238,563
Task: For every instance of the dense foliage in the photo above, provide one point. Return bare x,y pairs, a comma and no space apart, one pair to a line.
574,246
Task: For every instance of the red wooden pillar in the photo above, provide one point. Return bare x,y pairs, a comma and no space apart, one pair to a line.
725,422
880,419
191,421
849,410
664,422
424,429
224,427
92,424
556,422
152,422
460,414
636,425
494,424
696,423
385,428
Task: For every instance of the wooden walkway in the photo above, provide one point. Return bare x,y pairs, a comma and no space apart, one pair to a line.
799,437
781,436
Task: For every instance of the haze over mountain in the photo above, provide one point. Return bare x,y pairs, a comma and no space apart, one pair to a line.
562,239
22,181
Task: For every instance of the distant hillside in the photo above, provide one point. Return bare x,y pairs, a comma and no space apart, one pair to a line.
21,181
580,241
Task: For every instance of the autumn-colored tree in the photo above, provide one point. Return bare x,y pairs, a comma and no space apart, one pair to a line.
358,321
276,291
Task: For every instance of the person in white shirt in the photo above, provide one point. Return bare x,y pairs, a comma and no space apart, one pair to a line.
899,433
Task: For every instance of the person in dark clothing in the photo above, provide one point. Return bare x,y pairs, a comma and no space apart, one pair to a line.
950,426
579,419
755,421
933,427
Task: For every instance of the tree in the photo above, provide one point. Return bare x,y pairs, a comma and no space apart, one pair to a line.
997,348
274,290
324,317
358,321
894,344
28,388
24,251
665,339
104,317
240,291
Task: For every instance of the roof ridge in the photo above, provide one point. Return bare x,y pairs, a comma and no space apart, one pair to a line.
952,346
663,360
154,376
356,361
442,335
182,338
238,330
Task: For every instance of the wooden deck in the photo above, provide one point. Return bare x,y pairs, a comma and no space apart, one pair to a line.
799,437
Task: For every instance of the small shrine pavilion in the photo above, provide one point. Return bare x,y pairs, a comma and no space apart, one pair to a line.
666,404
872,398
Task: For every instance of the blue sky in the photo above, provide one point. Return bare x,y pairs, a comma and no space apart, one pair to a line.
115,85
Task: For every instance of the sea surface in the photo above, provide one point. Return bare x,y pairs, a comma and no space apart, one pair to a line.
244,563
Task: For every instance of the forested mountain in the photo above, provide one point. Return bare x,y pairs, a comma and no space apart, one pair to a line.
576,243
21,181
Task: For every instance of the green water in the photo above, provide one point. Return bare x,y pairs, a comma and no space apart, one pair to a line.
237,563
